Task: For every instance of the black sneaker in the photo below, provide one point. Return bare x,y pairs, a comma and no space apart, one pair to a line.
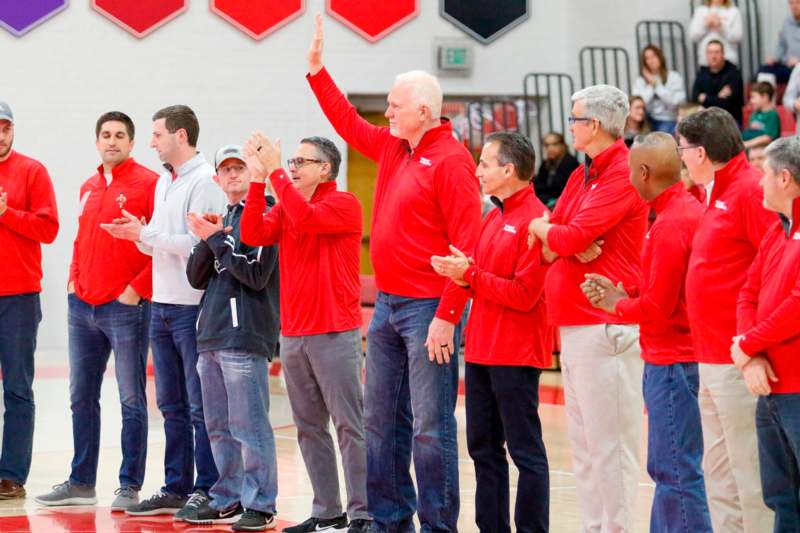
197,499
358,525
253,520
205,514
159,503
319,524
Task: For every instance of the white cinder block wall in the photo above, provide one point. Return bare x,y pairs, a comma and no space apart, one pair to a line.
62,75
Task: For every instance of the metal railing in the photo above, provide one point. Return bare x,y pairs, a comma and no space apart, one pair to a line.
547,101
670,37
596,61
749,48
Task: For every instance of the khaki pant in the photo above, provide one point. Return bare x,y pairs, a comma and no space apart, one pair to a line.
602,374
730,461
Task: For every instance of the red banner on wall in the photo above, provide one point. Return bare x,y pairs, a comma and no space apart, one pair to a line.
140,17
258,18
373,19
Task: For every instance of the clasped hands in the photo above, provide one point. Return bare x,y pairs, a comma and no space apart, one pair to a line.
452,266
756,371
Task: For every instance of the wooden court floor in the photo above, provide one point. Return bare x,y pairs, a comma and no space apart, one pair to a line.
53,452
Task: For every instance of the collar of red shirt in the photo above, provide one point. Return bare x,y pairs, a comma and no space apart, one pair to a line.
790,225
119,170
660,202
727,174
514,201
443,130
322,190
608,156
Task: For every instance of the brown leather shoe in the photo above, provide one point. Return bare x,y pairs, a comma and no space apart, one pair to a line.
11,490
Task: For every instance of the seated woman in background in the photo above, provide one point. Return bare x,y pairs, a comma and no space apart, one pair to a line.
720,20
637,123
662,90
555,169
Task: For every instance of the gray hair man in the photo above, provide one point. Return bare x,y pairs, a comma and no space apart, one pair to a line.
769,340
598,225
426,198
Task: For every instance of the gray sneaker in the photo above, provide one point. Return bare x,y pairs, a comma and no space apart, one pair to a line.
159,503
126,497
197,500
68,494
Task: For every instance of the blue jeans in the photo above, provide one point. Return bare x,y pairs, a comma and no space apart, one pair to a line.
409,406
20,315
94,331
675,448
778,431
179,397
236,403
502,410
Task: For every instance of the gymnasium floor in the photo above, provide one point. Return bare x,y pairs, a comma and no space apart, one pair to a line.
52,452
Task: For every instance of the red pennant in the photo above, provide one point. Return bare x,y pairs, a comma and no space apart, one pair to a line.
373,19
258,18
140,17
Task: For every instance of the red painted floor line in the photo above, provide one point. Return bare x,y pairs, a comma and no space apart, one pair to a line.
102,520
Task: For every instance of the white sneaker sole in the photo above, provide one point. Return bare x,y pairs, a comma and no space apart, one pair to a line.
67,501
153,512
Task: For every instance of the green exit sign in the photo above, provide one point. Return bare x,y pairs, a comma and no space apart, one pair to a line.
455,57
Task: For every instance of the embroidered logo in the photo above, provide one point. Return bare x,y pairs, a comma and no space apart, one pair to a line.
593,187
121,200
509,228
796,236
425,161
84,199
719,204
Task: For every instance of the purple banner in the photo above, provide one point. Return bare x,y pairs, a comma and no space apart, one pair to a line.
20,16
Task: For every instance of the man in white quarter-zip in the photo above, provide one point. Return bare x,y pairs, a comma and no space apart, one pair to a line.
186,187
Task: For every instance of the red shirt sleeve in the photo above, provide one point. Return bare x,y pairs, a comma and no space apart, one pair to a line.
363,136
256,227
747,303
668,264
339,213
605,207
781,324
458,193
40,223
522,291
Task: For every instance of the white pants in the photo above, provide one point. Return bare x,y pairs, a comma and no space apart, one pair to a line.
730,461
602,372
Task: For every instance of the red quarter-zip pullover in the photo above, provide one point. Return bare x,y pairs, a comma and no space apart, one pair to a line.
30,219
319,253
606,207
724,246
508,321
769,303
660,307
425,199
103,266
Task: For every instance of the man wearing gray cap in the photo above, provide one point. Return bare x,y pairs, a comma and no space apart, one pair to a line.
237,334
28,218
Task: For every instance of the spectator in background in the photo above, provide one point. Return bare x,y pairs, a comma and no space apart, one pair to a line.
720,83
662,90
787,53
791,97
636,123
555,169
716,20
765,124
756,156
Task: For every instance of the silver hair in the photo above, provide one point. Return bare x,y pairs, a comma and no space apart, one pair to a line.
608,105
425,88
784,153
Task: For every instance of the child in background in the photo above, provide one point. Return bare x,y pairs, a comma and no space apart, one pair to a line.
764,125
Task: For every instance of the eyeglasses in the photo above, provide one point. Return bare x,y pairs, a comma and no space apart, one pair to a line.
300,162
573,119
689,147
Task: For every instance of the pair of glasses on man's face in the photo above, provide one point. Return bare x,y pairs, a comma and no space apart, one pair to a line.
572,119
300,162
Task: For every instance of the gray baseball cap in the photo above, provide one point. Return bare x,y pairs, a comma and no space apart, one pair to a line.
229,151
5,112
